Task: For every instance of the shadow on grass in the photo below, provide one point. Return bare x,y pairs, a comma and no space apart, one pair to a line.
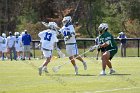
69,75
120,74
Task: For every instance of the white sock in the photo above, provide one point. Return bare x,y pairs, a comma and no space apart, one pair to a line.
111,69
75,66
44,67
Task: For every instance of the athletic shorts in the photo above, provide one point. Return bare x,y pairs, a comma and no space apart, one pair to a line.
113,52
47,53
72,49
4,49
26,48
101,49
18,49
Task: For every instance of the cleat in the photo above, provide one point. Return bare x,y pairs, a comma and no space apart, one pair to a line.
112,71
85,65
102,73
45,70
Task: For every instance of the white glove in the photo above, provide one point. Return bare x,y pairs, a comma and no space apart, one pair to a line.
66,38
45,24
93,48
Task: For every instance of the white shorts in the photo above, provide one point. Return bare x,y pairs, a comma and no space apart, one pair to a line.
47,53
19,49
4,49
72,50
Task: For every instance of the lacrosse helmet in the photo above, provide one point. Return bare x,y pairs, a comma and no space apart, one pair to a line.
66,20
4,35
52,25
17,34
103,27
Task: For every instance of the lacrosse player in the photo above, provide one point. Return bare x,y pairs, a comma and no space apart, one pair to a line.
1,41
109,44
18,45
48,38
4,45
68,32
11,46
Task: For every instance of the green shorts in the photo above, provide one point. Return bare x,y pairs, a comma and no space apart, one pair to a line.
113,52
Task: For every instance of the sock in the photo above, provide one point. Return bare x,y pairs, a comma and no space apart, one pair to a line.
111,69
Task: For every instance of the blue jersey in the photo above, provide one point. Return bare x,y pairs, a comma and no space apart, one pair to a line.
26,39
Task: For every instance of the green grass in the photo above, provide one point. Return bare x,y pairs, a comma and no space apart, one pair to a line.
22,77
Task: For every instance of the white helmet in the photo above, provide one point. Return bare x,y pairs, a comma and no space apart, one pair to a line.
103,27
17,34
52,25
66,20
4,35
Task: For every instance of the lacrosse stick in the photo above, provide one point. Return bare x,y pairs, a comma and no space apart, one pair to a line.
60,53
56,68
45,24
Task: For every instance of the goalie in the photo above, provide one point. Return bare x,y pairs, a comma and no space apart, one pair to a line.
109,44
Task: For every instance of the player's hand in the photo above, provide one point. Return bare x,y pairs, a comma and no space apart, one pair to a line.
66,38
94,47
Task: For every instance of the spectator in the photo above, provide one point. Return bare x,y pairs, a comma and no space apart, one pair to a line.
4,46
18,45
26,39
122,37
11,45
0,46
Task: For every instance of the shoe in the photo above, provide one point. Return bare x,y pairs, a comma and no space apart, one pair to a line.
40,70
45,70
76,70
85,65
112,71
102,73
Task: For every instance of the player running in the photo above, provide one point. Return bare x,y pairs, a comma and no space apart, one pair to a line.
68,32
110,46
48,38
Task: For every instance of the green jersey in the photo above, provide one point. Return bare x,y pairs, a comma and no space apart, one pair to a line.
107,37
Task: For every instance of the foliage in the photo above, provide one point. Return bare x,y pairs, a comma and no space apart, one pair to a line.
121,15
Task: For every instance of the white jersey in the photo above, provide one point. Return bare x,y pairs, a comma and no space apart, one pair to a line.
18,42
48,38
66,31
4,42
11,41
1,41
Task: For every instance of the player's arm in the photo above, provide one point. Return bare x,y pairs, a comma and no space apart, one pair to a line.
106,43
70,34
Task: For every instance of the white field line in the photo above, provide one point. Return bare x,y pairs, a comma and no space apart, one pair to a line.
117,89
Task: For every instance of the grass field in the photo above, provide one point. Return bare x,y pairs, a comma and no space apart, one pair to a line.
22,77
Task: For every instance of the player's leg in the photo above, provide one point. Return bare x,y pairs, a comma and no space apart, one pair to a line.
43,67
69,49
112,53
75,53
105,58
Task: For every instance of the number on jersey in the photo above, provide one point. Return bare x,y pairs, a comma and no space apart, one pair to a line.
48,36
